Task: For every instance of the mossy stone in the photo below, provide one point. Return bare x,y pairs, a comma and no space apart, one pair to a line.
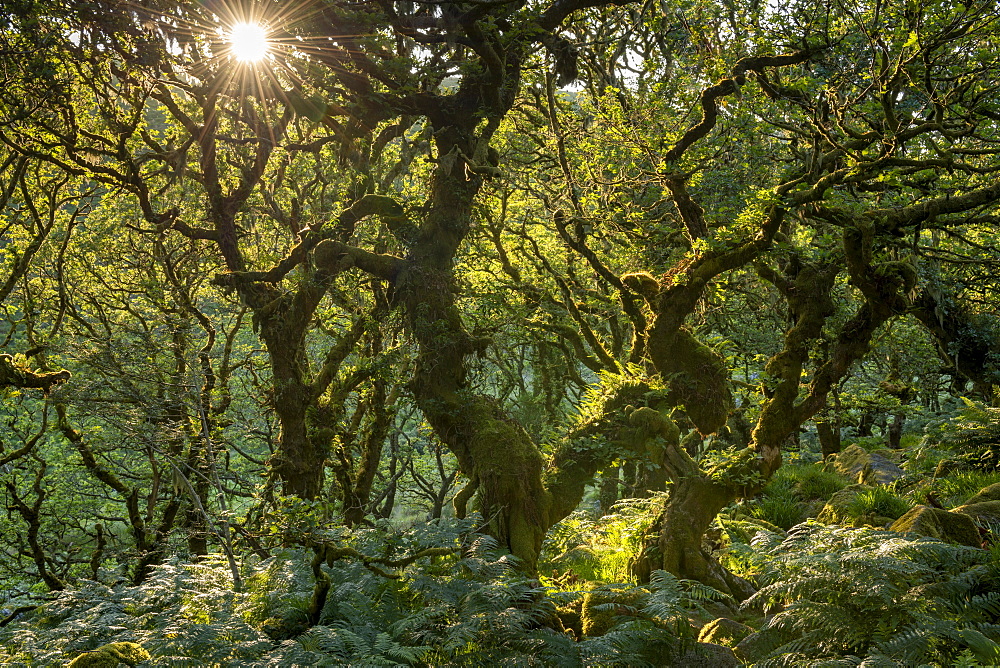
837,509
110,656
570,616
949,527
708,655
946,466
983,511
724,631
990,493
618,602
867,467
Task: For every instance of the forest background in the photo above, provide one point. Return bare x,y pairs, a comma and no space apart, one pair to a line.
439,298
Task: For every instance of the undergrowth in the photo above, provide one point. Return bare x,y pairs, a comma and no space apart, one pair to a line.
851,595
470,610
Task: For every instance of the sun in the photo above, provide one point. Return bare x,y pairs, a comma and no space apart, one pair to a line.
249,42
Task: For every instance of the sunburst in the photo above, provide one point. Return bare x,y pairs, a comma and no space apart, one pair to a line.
249,42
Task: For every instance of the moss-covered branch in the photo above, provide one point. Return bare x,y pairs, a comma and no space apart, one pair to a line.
18,374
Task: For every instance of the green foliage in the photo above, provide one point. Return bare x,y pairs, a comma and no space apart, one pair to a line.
470,611
813,482
953,489
858,592
600,550
877,502
781,511
781,503
975,435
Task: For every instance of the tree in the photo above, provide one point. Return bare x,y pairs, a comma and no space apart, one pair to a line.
390,154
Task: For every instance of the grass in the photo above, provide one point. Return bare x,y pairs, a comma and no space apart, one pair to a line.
955,488
781,511
878,502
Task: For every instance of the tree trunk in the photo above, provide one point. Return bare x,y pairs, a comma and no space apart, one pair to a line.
299,462
610,489
694,503
829,438
865,424
896,430
493,450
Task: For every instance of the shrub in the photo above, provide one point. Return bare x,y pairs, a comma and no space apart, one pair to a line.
815,483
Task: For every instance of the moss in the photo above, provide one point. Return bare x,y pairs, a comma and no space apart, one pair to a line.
949,527
613,603
109,656
983,512
698,376
571,617
838,509
643,283
990,493
866,467
509,469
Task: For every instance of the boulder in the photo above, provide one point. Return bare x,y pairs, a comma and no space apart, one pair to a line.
757,646
866,467
981,512
991,493
836,510
947,526
109,656
946,466
602,609
724,631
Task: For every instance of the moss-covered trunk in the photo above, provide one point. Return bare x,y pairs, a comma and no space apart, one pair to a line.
502,461
299,462
694,504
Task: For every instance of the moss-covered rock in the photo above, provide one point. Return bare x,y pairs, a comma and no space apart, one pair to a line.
571,617
757,645
110,656
981,512
602,607
949,527
991,493
867,467
724,631
946,466
838,509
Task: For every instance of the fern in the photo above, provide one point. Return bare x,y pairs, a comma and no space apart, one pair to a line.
976,435
856,592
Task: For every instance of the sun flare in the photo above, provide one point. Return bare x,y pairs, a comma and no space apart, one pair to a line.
249,42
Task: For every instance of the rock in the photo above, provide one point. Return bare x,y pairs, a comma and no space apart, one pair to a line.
570,617
109,656
981,512
708,655
618,603
723,631
868,467
756,646
836,510
991,493
949,527
946,466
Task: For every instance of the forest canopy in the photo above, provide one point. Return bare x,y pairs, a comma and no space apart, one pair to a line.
337,327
